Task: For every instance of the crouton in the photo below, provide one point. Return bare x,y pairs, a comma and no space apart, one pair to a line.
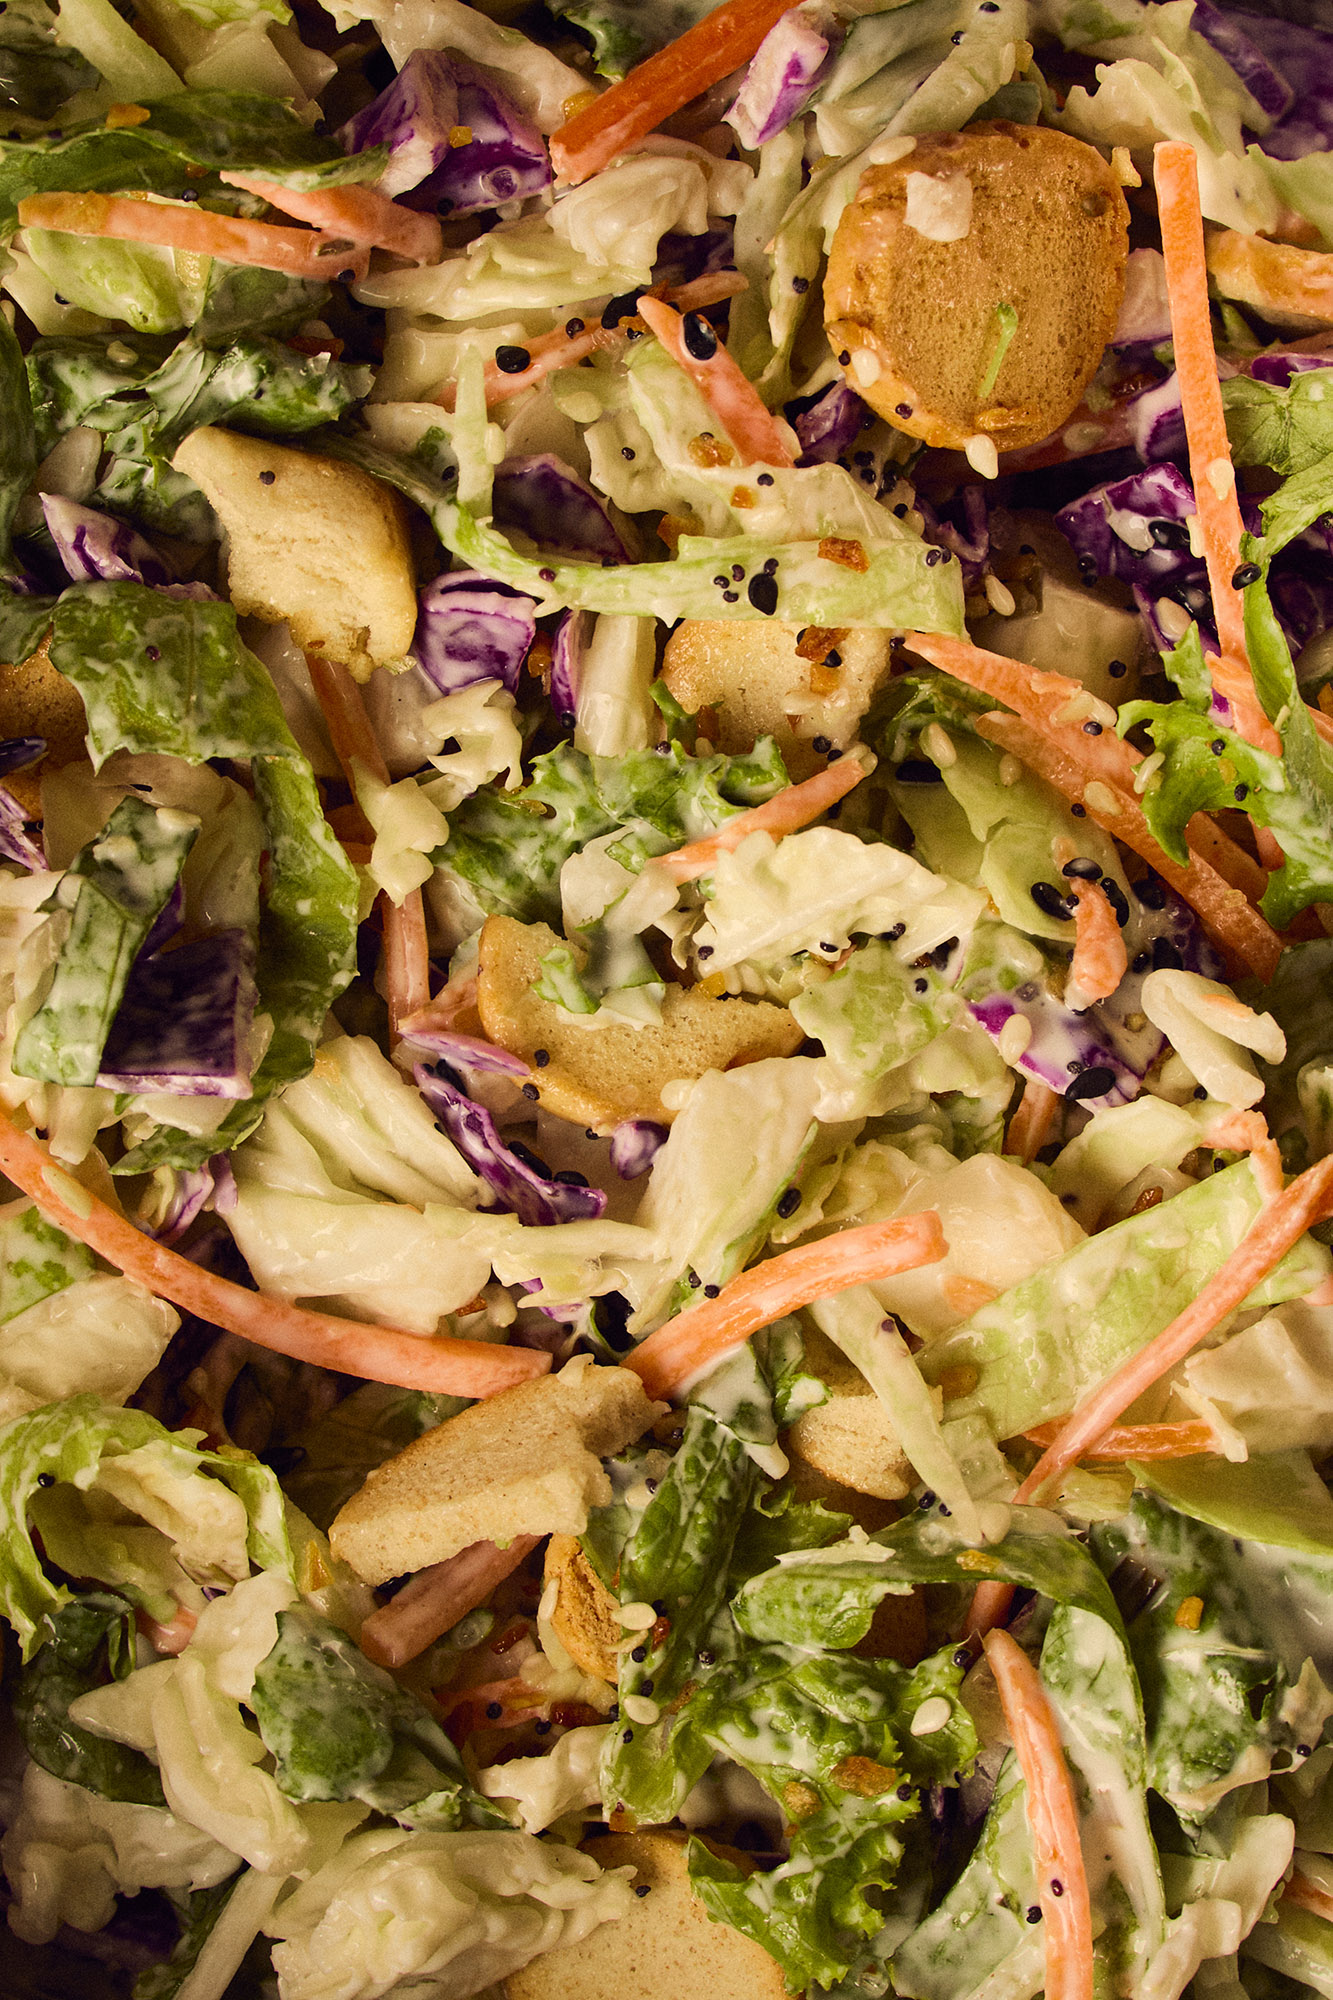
1292,288
312,541
598,1077
526,1462
665,1946
790,682
584,1615
35,700
973,285
849,1437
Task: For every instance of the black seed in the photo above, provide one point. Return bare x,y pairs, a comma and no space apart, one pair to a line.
800,286
573,327
267,478
1200,1094
771,566
721,582
1151,893
541,1057
900,514
1057,1888
1051,903
543,1726
1115,896
1247,573
623,307
956,37
512,360
531,1092
1241,792
639,1655
1169,534
844,358
763,594
710,1292
628,1736
693,1280
647,1687
642,1888
59,300
153,652
918,771
627,451
932,557
1094,1082
705,1657
902,409
699,337
1117,670
731,597
494,1711
45,1479
1092,728
921,985
1142,961
1085,870
568,1177
927,1501
738,572
1079,812
1033,1914
788,1202
705,951
588,1133
1217,746
546,575
764,479
821,743
892,935
904,1793
1165,957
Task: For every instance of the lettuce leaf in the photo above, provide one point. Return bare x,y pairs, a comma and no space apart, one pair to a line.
18,448
91,1640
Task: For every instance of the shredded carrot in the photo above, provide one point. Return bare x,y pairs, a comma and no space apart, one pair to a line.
1190,1438
363,213
1307,1895
1176,176
1052,1812
1278,1227
699,1337
788,811
434,1601
1100,960
454,1009
562,349
406,954
1249,944
173,1637
990,1602
1247,1132
1031,1122
635,106
443,1366
302,253
728,391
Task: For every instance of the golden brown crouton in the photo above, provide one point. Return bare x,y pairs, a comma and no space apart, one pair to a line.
597,1078
35,700
936,244
526,1462
313,541
790,682
584,1616
849,1437
1293,288
666,1947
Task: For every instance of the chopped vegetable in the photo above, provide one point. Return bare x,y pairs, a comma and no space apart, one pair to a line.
693,344
301,253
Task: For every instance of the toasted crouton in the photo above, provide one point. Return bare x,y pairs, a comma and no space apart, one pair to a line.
849,1438
1292,288
665,1947
584,1614
35,700
790,682
313,541
935,244
526,1462
596,1077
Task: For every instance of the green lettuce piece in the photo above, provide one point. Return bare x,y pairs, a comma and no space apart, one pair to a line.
1040,1347
18,455
1298,1093
1298,1948
241,301
91,1641
1274,1497
1305,185
65,1444
219,130
217,13
38,73
172,678
36,1260
340,1728
120,884
831,1740
139,283
1225,1696
24,623
1289,429
871,1015
623,32
828,1597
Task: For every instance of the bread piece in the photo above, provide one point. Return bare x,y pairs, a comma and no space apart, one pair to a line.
313,541
597,1076
584,1614
35,700
1047,235
666,1947
1292,288
790,682
525,1462
849,1438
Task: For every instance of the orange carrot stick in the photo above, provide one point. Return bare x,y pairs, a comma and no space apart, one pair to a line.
728,391
361,212
1100,960
1307,1895
1190,1438
1278,1227
443,1366
696,1339
1057,1851
1031,1122
434,1601
303,253
635,106
787,812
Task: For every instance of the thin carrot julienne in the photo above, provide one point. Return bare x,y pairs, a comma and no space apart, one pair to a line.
682,1349
434,1601
1190,1438
1032,1121
363,213
301,253
1052,1813
735,402
441,1366
794,807
1100,959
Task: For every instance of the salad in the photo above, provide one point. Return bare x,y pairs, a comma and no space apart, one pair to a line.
666,999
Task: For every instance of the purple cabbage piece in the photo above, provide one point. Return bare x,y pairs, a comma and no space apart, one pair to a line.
556,509
1145,311
1156,421
1278,369
536,1198
18,835
1136,528
97,548
635,1143
568,647
1065,1049
790,63
830,426
17,752
1270,90
962,526
434,96
184,1022
469,1052
167,921
225,1192
1303,601
1304,58
192,1188
470,629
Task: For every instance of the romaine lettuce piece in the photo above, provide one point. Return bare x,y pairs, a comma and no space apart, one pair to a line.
1274,1497
91,1640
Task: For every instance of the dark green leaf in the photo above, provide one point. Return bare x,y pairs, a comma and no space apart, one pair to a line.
91,1642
